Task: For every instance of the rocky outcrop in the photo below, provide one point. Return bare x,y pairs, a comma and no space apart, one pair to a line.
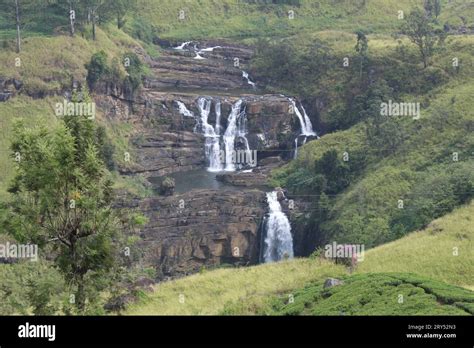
331,282
164,153
218,70
257,177
9,88
201,228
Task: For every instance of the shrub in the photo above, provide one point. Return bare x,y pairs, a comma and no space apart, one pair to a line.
97,68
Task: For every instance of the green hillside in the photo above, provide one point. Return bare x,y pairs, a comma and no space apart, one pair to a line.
243,18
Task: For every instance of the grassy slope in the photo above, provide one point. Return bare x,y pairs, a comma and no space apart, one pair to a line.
234,18
47,65
428,253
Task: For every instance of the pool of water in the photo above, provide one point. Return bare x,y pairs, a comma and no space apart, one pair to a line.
196,179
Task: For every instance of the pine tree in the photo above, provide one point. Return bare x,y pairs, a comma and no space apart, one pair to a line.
62,200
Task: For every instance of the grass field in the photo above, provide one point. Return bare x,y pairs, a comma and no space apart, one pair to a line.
241,19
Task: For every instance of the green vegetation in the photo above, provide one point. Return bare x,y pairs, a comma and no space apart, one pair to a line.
378,178
420,29
97,68
100,70
378,294
62,201
243,20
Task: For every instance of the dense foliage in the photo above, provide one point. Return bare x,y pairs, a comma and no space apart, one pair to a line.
379,294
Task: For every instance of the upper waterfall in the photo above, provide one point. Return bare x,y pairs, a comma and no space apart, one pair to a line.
212,144
229,136
305,122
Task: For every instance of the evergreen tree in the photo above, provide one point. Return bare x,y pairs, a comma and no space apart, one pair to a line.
62,201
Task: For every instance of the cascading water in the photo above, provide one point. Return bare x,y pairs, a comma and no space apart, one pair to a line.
183,110
245,75
296,148
229,136
236,128
305,123
182,46
278,240
217,108
209,49
242,128
212,144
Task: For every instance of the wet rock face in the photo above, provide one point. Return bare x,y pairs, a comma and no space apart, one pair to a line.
165,141
9,88
201,228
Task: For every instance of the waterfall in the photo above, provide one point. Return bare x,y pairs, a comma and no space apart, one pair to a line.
210,49
182,46
245,75
198,56
305,122
217,108
201,51
278,240
212,144
183,110
296,148
242,128
236,128
229,136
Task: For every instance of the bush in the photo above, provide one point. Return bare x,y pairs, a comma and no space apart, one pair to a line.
167,186
97,68
433,197
136,71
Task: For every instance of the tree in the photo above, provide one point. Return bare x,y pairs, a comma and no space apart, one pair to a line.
437,8
62,201
384,134
18,37
428,6
120,8
97,68
72,15
432,8
98,11
20,13
420,30
361,47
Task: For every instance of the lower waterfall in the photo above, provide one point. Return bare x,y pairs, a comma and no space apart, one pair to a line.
278,239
